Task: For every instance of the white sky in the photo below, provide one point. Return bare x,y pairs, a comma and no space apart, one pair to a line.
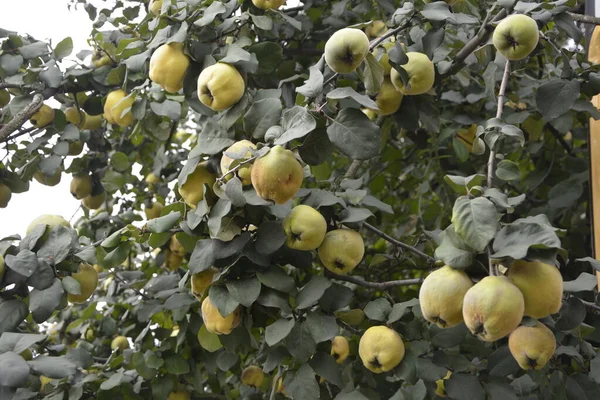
44,20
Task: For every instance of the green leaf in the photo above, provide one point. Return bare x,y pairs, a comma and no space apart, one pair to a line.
277,279
584,282
372,74
354,134
51,76
25,263
226,361
63,48
53,367
475,220
176,365
572,314
378,309
278,331
500,391
312,292
223,300
163,224
71,285
269,56
18,342
595,369
416,392
262,115
34,50
321,327
508,170
515,239
270,237
325,366
113,382
301,384
316,148
42,303
453,250
209,341
212,139
336,297
14,370
401,309
464,387
211,12
501,363
120,161
139,363
313,85
449,337
244,291
202,257
349,93
12,313
296,123
556,97
58,245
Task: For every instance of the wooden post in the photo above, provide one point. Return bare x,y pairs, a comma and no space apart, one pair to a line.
594,56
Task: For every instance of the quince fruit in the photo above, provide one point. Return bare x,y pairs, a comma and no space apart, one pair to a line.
340,349
153,211
215,322
541,285
253,376
75,148
305,228
192,191
220,86
201,281
516,36
4,97
421,75
376,29
388,99
48,180
119,343
277,175
88,281
94,202
168,66
179,396
493,308
92,122
381,349
441,296
49,220
341,250
155,6
117,108
43,117
532,346
241,151
81,186
268,4
346,49
5,195
75,117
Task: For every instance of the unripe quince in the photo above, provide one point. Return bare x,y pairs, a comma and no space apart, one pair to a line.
26,354
2,267
75,116
541,285
346,49
81,186
388,99
201,281
50,220
155,6
277,176
101,59
253,376
168,66
268,4
192,191
493,308
152,179
114,108
305,228
215,322
220,86
4,97
173,261
441,296
153,211
179,396
376,29
119,343
43,117
371,114
5,195
421,74
75,148
176,247
237,149
516,36
94,202
340,349
89,334
342,250
381,349
88,281
92,121
532,346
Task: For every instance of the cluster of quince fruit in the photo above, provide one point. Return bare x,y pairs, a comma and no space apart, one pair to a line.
495,306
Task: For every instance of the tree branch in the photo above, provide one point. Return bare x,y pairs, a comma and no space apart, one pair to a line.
22,116
274,383
560,139
586,19
233,170
482,36
592,306
117,277
5,85
352,169
398,243
374,285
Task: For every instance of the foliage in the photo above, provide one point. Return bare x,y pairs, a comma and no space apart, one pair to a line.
419,175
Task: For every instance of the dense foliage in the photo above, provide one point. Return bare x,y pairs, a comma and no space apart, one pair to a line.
415,184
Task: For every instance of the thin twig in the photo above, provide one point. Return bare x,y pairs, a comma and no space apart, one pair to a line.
586,19
375,285
117,277
5,85
592,306
352,169
22,116
560,138
233,170
398,243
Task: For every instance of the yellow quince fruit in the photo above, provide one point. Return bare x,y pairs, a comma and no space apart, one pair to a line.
43,117
49,220
168,66
305,228
541,285
268,4
117,108
253,376
346,49
192,191
88,281
241,148
220,86
81,186
421,75
75,117
381,349
215,322
119,343
201,281
532,346
341,250
5,195
277,176
340,349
